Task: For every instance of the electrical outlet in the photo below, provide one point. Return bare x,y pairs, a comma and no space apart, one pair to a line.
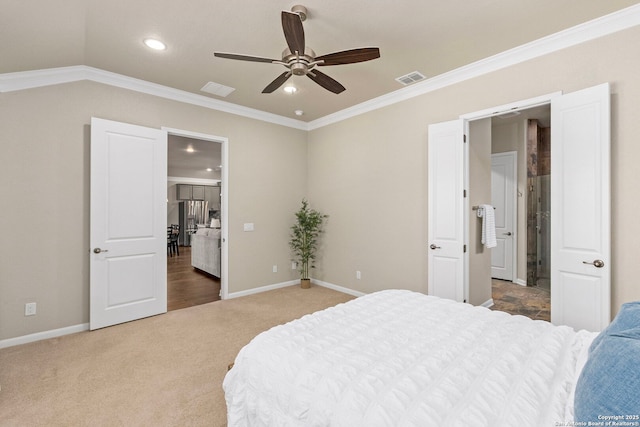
294,265
275,268
30,309
358,275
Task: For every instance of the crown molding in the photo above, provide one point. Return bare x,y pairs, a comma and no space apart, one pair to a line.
599,27
10,82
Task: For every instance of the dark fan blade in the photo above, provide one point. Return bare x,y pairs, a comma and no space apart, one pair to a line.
293,32
277,82
325,81
242,57
350,56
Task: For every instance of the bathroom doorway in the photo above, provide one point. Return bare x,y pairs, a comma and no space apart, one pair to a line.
527,132
524,135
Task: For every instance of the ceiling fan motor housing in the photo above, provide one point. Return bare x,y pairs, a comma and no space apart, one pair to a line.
299,64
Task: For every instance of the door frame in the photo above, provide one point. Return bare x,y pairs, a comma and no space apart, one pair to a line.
485,114
514,212
224,188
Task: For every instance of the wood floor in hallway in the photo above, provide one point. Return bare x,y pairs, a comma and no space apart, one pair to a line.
188,286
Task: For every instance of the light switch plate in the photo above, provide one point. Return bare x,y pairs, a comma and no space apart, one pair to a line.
248,226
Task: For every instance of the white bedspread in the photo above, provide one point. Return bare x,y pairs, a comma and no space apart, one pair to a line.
399,358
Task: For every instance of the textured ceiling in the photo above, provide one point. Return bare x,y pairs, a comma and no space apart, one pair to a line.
428,36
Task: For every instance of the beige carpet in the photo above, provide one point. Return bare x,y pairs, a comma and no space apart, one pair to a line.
165,370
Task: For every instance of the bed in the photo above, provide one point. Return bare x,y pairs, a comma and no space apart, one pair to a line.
401,358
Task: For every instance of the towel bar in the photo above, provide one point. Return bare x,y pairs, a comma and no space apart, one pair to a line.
475,208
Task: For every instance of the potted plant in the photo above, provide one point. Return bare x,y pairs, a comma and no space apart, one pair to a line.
304,240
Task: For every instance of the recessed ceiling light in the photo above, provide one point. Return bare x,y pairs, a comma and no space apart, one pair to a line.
190,149
209,169
155,44
290,89
299,112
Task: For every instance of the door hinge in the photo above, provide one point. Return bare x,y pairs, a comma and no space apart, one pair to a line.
464,249
464,193
464,138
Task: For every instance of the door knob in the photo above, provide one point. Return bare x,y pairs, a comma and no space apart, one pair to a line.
432,246
508,233
98,250
597,263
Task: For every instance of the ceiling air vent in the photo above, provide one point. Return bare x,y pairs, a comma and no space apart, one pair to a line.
410,78
217,89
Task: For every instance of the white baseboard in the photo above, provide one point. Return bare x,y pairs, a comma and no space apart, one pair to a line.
291,283
262,289
338,288
520,282
10,342
54,333
488,303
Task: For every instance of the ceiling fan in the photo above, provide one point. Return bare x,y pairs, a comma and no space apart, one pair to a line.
300,60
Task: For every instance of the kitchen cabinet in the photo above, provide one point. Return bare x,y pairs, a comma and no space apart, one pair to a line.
183,191
197,192
190,192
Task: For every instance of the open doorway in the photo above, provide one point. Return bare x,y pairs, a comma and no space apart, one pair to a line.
580,243
194,220
526,135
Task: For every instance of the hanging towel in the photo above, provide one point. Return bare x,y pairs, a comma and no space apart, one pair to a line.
487,213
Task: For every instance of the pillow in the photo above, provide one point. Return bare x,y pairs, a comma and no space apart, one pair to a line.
607,389
628,318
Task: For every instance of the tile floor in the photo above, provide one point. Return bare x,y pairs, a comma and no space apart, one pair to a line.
533,302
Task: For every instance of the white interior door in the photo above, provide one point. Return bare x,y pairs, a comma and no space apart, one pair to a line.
580,209
446,203
128,240
503,198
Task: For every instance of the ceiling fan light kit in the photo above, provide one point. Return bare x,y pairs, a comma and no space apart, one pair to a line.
300,60
290,89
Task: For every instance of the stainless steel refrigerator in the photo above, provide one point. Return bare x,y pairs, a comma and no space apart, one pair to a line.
192,213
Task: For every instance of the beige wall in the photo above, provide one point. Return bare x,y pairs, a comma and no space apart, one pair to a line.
479,193
44,170
369,172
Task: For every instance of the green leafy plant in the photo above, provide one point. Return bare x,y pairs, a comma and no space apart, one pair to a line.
304,237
